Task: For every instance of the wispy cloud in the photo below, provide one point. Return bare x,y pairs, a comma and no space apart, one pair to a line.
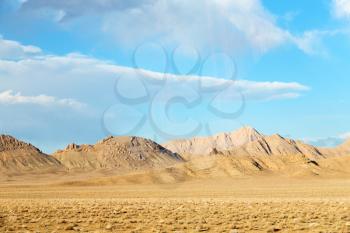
9,97
73,9
311,42
341,8
345,135
329,141
75,68
14,50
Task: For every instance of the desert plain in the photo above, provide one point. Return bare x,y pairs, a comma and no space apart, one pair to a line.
241,182
263,204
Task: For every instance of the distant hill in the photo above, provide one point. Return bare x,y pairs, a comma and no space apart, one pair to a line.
118,153
17,157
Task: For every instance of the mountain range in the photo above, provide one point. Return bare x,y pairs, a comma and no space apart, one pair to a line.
239,153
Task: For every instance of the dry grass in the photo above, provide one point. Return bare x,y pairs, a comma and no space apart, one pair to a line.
240,205
173,215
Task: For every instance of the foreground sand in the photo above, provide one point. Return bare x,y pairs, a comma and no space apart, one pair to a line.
240,205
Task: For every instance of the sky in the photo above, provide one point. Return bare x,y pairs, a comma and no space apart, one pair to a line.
78,71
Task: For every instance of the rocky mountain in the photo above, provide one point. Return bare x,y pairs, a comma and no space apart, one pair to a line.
17,156
247,141
275,145
237,154
269,155
247,152
218,142
117,153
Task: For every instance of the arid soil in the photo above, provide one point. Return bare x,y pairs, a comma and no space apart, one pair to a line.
240,205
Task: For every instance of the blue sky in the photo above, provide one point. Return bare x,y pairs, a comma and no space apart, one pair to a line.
77,71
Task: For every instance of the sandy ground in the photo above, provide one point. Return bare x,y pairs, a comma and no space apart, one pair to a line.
220,205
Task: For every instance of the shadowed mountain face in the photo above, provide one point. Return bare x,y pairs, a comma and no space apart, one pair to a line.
219,142
119,153
17,156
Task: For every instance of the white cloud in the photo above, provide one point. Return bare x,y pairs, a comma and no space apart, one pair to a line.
329,141
345,136
341,8
207,25
73,73
77,8
230,26
324,142
13,50
8,97
311,42
90,81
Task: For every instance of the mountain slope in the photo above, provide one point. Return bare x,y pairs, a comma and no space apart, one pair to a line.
17,156
118,153
219,142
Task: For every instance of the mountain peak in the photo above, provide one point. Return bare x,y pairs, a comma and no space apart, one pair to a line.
244,135
72,146
8,142
121,139
7,138
18,156
246,130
